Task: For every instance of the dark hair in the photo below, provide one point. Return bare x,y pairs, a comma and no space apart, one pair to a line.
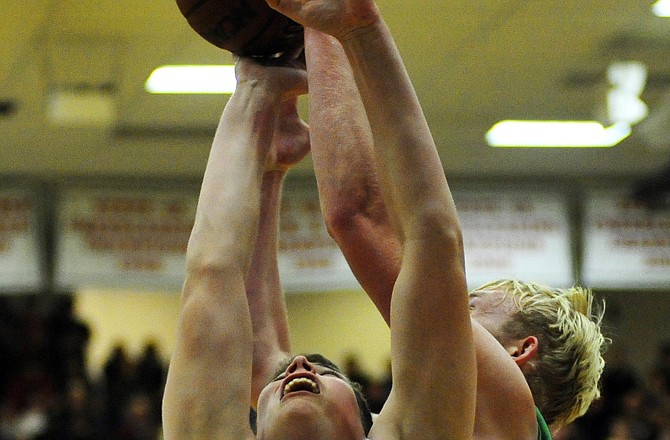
363,408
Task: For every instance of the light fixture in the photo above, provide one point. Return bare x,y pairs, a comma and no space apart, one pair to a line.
627,80
661,8
511,133
192,79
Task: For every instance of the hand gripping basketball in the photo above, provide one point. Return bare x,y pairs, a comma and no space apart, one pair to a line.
334,17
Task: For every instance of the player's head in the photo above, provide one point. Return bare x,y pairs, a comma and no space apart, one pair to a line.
564,374
309,393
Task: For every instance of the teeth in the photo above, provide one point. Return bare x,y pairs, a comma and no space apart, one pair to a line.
301,384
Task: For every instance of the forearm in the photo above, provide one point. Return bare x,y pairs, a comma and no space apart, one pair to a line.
207,390
263,287
340,134
405,153
342,152
429,309
223,235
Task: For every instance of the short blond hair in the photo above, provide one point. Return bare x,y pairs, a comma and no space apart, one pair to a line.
571,345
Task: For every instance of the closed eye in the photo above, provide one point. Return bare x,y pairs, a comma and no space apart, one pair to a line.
327,372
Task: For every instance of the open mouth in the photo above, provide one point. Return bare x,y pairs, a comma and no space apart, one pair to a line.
301,384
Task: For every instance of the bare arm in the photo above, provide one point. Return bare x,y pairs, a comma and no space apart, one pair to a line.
208,387
432,349
349,191
429,308
358,220
264,293
205,396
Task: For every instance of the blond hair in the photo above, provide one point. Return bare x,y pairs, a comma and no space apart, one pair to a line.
571,345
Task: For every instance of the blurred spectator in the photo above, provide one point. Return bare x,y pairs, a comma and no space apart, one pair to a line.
629,408
620,430
77,417
353,369
379,390
636,415
618,379
151,374
138,420
27,403
120,381
663,364
70,337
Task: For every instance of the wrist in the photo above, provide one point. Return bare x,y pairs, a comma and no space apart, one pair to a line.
257,89
274,175
371,22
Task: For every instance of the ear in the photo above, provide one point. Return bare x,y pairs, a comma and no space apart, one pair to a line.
523,350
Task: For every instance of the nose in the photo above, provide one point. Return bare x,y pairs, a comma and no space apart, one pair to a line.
300,362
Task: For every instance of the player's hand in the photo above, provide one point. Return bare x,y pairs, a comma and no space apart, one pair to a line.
291,138
335,17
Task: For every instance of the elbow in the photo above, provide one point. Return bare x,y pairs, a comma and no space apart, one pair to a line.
223,257
440,226
341,220
201,328
355,213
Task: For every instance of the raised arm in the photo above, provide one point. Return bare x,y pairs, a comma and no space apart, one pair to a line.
352,205
358,220
432,350
264,294
430,325
209,380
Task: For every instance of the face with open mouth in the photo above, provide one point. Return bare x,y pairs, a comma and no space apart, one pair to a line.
308,396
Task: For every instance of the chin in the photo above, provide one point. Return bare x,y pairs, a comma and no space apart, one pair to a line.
305,422
293,417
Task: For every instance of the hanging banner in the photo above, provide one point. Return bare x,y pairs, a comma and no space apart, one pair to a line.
120,239
516,234
20,250
138,239
625,245
507,234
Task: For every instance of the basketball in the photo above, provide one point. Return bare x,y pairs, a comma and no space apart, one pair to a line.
243,27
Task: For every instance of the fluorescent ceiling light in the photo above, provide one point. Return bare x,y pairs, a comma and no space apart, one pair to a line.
661,8
556,134
192,79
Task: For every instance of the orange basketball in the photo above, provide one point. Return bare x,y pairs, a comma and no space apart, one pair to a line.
243,27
